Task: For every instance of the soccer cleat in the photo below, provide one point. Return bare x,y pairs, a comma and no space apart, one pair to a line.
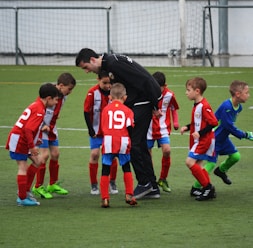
195,191
27,202
105,203
113,188
94,189
208,192
154,194
142,190
56,188
42,192
164,185
130,200
222,175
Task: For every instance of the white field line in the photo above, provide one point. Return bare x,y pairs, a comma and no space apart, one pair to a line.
88,147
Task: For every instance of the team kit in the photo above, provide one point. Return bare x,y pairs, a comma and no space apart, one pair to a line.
127,112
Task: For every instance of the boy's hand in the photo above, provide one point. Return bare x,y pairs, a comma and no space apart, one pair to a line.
249,136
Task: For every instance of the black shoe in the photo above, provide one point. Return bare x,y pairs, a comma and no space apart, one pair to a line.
195,191
208,192
222,175
142,190
154,194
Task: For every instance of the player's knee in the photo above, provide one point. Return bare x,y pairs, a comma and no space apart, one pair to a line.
235,157
126,167
106,170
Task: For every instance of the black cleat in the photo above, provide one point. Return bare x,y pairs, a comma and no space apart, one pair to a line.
195,191
222,175
208,192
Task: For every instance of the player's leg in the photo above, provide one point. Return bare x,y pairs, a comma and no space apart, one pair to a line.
197,188
165,164
128,179
105,180
194,162
54,185
23,199
113,175
39,189
234,156
95,144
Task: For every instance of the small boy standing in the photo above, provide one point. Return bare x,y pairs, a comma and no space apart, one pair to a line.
226,115
202,141
94,103
50,144
117,124
23,138
160,129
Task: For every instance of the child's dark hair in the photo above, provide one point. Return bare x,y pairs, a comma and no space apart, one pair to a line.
197,83
48,89
102,74
66,79
160,78
84,55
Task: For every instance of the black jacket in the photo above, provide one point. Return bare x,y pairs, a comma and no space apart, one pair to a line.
141,87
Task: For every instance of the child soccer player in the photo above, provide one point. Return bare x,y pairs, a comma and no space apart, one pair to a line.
23,138
95,101
226,115
202,142
160,128
117,123
50,144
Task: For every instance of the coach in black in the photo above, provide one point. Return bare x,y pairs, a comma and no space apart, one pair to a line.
143,94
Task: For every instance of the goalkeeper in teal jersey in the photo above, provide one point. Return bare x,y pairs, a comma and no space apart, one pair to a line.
226,115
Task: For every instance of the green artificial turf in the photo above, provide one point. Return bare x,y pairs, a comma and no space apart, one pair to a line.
77,220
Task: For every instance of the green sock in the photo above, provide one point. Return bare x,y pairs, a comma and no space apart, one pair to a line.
230,161
209,166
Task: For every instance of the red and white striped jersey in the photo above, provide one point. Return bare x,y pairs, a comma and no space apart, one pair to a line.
161,127
25,133
202,115
94,103
50,119
116,117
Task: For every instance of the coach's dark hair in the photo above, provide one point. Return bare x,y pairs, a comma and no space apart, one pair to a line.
160,78
84,55
48,89
66,79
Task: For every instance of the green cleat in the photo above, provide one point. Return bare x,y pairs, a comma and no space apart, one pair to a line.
164,185
56,188
42,192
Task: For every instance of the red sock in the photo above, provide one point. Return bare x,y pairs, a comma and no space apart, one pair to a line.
129,183
53,171
93,173
165,167
31,172
40,175
206,174
114,168
198,173
22,181
104,187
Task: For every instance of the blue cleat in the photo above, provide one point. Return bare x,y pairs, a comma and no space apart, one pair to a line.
27,202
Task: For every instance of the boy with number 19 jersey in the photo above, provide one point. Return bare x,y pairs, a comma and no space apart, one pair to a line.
117,123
